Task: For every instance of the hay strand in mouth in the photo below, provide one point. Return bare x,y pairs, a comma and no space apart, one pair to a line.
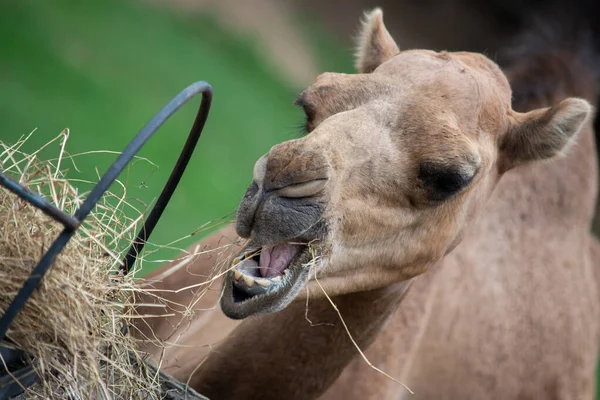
362,354
74,327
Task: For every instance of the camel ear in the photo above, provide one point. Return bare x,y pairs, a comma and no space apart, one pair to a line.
544,133
375,44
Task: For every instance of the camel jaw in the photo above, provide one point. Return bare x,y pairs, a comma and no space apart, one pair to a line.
251,287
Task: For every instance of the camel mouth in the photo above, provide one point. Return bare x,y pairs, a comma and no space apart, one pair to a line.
265,279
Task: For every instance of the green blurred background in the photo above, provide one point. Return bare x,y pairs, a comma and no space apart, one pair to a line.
103,68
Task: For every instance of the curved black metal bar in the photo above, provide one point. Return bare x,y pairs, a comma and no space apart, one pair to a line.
107,179
12,385
176,174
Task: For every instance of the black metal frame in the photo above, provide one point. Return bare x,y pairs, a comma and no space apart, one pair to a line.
26,376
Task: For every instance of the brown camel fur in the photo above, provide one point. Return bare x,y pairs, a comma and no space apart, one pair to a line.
451,232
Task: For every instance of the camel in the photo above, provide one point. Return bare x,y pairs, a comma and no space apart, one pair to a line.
447,222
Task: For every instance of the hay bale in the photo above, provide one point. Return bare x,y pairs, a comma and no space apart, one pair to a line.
74,325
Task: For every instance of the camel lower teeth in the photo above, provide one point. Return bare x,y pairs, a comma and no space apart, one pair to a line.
238,274
249,281
263,282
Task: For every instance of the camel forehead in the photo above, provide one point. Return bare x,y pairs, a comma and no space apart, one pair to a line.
416,90
421,78
456,69
457,86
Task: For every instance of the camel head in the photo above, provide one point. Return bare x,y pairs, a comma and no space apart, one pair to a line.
395,163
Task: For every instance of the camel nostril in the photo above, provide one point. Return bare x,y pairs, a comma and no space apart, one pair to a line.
305,189
247,210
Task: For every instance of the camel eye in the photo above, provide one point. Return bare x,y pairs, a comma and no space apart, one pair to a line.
307,125
442,181
309,109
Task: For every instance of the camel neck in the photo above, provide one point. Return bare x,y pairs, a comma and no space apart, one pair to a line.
303,336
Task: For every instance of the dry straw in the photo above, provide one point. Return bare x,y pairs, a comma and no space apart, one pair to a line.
72,327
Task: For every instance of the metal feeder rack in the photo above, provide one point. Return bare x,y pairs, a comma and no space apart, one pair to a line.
16,377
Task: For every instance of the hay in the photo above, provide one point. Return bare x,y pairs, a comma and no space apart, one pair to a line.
72,326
